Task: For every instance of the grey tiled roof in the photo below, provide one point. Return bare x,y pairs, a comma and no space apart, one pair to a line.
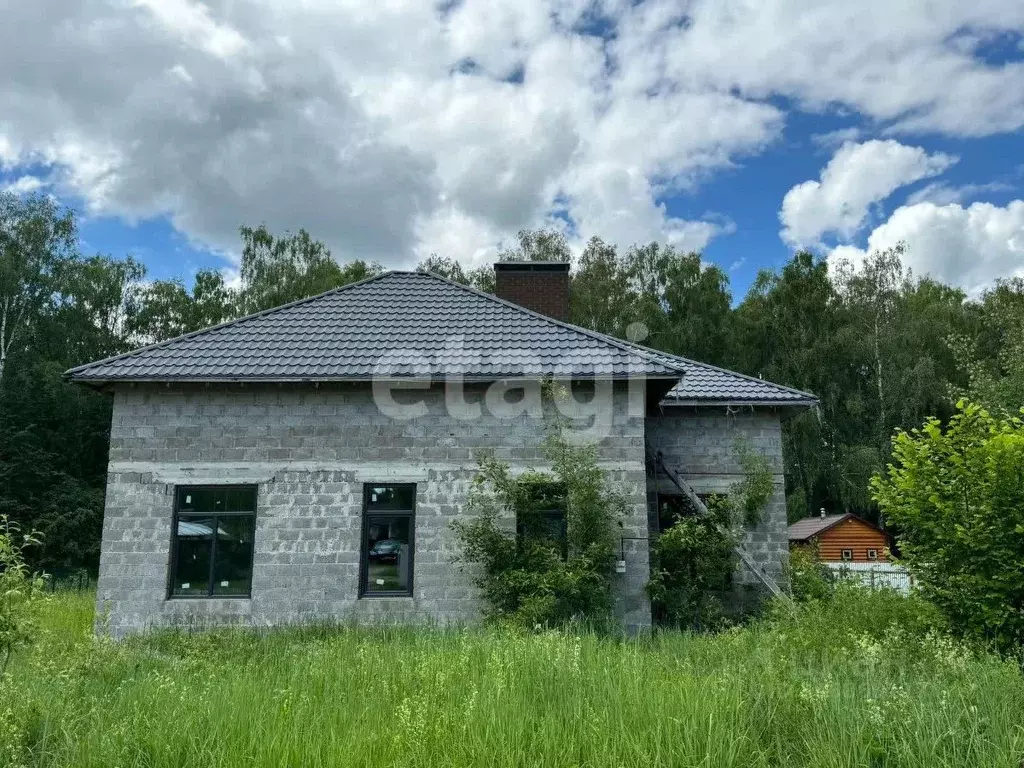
703,383
404,324
419,324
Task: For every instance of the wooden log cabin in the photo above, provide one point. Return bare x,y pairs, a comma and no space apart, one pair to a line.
841,538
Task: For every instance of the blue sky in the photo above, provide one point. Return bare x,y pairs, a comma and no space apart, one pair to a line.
741,129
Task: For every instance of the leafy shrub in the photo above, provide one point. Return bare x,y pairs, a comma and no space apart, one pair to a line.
751,494
529,577
957,496
809,578
693,561
20,590
851,613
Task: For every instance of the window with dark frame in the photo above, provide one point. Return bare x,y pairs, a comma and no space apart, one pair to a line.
385,562
546,517
212,541
847,554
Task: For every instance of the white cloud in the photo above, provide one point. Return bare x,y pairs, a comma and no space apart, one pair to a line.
944,194
890,60
393,128
969,247
857,176
836,138
23,185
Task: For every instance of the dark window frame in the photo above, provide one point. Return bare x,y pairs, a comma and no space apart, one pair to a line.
559,515
364,541
179,492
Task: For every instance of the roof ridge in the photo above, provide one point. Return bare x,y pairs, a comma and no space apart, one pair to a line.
623,345
225,324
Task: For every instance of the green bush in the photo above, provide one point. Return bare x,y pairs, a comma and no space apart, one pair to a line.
693,562
957,498
20,590
809,578
529,577
851,612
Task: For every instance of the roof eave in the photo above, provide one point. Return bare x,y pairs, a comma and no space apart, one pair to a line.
103,381
709,402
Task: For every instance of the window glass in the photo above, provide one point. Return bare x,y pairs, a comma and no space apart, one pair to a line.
192,555
872,554
388,553
232,564
212,550
241,499
388,538
390,497
847,554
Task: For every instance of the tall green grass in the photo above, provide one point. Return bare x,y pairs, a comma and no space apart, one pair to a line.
836,685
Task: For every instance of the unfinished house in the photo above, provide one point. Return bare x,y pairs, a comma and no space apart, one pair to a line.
305,463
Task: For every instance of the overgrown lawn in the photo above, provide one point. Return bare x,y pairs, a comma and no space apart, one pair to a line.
838,685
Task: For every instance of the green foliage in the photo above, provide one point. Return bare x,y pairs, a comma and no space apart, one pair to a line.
809,578
693,563
839,685
279,269
37,245
169,309
526,577
694,560
957,498
20,590
752,494
481,278
538,245
993,359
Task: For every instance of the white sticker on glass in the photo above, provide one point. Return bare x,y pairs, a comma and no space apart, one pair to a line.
380,582
186,585
225,584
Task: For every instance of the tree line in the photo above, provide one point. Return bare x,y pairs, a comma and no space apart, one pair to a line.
882,348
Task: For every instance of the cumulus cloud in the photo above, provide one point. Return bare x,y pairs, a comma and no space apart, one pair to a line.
857,176
910,69
969,247
392,129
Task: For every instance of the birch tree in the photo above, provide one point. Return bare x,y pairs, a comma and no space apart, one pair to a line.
37,243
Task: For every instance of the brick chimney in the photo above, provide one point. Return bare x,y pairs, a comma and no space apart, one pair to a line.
542,286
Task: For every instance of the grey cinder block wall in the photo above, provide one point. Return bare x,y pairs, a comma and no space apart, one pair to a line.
700,445
309,451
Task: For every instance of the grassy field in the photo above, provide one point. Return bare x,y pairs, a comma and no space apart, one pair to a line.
828,687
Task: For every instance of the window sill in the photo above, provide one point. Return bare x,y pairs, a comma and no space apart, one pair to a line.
175,598
386,596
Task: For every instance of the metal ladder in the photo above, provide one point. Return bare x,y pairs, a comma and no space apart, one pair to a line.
658,461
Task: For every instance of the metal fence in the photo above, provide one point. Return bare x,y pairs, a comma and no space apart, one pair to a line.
70,580
875,576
